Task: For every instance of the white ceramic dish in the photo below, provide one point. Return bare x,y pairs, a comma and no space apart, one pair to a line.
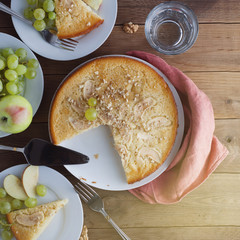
68,222
105,171
34,88
87,44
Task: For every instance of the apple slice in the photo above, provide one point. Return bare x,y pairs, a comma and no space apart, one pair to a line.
13,186
95,4
30,179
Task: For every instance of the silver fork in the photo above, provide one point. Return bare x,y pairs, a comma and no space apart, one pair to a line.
68,44
94,201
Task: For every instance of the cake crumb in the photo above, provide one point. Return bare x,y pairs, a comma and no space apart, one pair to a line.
96,156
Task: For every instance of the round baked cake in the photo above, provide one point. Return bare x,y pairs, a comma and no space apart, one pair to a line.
132,99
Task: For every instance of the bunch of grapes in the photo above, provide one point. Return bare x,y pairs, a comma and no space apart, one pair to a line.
14,68
42,13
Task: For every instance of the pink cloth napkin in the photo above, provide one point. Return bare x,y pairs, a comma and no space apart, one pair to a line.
200,153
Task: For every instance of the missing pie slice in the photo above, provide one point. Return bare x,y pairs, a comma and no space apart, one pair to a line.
29,223
75,18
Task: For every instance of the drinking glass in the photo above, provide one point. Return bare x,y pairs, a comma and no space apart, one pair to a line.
171,28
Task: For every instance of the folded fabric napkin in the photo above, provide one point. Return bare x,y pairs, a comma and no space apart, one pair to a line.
200,153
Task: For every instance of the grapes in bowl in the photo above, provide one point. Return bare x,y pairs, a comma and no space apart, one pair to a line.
14,69
21,85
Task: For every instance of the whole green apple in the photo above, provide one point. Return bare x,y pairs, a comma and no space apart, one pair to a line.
15,114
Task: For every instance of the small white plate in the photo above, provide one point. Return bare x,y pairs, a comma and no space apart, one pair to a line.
68,222
87,44
34,88
106,171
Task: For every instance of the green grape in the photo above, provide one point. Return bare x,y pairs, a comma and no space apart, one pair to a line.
16,204
31,2
48,5
30,202
91,114
5,207
39,14
33,63
3,58
41,190
12,61
30,73
3,221
7,51
2,64
51,15
21,53
21,69
92,102
28,13
12,88
50,23
39,25
6,235
10,75
1,88
21,78
2,190
40,3
20,85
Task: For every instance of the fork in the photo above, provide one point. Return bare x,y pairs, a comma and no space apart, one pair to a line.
49,35
94,202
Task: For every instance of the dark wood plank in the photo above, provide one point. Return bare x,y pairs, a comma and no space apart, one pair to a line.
213,11
216,49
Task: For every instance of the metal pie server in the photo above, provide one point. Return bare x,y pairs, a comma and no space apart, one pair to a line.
40,152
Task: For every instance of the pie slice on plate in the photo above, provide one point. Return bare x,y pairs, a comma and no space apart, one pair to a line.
75,18
29,223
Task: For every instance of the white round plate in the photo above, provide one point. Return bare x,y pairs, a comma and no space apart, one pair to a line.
87,44
33,88
68,222
106,171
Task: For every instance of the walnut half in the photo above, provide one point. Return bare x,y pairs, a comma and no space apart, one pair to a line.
130,27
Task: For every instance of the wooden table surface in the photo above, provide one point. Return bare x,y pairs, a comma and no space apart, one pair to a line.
211,211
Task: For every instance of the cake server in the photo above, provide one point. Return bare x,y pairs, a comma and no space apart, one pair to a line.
40,152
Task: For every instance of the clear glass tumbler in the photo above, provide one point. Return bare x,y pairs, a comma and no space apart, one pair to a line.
171,28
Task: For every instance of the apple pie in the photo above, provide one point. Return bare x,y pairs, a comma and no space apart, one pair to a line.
29,223
132,99
75,18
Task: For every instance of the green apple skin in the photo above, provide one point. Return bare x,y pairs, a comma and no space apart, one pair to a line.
15,114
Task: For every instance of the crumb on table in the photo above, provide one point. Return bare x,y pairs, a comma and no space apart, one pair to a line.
84,235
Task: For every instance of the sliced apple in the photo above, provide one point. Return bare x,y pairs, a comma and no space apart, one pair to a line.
30,179
95,4
13,186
